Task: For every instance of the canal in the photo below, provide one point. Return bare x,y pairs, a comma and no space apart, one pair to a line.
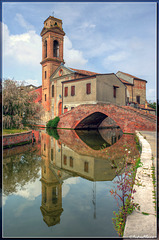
59,186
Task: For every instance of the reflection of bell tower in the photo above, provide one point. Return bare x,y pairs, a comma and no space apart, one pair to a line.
51,207
52,55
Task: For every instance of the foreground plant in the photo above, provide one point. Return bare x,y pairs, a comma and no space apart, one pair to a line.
19,106
123,195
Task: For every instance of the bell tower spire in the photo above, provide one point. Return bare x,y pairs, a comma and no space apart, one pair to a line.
52,56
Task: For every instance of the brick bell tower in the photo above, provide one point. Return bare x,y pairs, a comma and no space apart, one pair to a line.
52,56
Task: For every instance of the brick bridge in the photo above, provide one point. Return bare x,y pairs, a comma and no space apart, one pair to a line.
90,116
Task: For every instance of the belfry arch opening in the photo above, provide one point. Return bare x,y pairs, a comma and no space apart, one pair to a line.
56,49
45,47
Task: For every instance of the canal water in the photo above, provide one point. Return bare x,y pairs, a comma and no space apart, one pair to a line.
59,186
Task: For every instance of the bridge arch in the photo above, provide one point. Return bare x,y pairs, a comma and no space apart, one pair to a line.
127,118
91,121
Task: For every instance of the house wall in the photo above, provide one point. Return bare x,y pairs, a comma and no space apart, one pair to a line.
105,89
139,89
80,97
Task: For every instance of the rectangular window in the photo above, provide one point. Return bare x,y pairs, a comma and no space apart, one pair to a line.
86,166
45,194
65,160
114,92
54,195
45,74
52,154
45,97
138,99
88,88
65,109
71,162
66,92
52,90
72,90
44,147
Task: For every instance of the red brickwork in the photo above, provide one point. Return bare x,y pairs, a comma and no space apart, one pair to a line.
13,139
127,118
114,152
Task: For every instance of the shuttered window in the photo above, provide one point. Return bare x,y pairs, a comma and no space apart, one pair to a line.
66,92
72,90
52,90
71,162
88,88
114,92
86,166
138,99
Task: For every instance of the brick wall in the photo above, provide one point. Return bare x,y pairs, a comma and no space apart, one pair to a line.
13,139
128,119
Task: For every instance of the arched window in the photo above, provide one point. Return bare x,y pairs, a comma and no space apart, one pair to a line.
45,46
56,49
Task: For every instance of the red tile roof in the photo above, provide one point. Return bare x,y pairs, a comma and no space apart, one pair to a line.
39,91
84,72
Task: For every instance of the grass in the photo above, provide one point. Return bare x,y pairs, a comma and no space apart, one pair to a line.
12,131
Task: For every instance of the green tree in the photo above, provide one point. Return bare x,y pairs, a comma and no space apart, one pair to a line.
19,107
152,104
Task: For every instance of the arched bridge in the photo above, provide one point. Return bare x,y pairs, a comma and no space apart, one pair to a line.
127,118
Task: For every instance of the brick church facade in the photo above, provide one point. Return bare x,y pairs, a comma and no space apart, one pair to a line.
64,88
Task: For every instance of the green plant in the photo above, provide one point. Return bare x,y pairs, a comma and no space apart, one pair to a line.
53,132
53,123
144,213
124,192
139,147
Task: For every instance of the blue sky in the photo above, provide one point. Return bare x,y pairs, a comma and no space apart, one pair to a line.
102,37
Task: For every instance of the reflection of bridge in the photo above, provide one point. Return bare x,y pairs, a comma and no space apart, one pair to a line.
127,118
75,155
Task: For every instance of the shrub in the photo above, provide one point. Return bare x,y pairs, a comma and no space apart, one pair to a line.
53,133
53,123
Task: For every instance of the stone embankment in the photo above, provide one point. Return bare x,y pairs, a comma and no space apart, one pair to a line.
10,140
143,223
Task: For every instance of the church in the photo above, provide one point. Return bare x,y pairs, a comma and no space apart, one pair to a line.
64,88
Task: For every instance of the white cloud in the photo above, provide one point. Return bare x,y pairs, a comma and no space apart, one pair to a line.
67,183
34,82
117,57
73,57
31,190
23,23
24,49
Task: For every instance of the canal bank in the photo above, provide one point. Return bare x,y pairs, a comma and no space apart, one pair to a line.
143,223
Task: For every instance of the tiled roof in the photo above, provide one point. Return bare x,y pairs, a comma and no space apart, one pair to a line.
84,72
39,91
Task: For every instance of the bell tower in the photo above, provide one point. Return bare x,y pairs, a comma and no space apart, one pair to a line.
52,56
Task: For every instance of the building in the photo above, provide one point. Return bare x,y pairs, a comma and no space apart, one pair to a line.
65,88
136,87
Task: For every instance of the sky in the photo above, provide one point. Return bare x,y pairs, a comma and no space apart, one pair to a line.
102,37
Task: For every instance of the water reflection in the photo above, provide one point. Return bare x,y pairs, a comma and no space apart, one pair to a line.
92,155
21,165
77,156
